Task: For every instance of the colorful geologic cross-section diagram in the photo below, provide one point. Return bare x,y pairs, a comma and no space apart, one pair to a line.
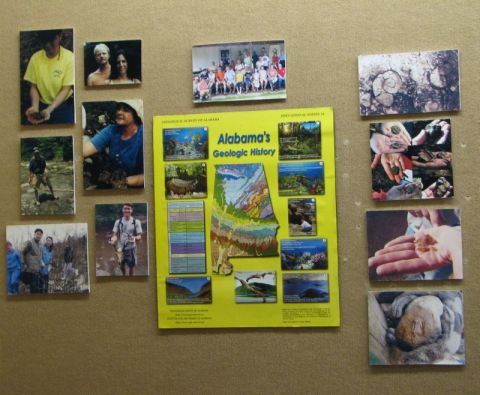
186,237
243,222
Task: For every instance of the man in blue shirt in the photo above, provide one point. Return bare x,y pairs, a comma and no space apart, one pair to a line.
124,141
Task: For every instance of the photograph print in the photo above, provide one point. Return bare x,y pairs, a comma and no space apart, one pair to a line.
112,63
305,288
255,287
186,180
121,240
113,144
189,290
409,83
239,71
301,178
299,140
411,160
47,259
303,254
47,179
302,217
185,143
414,245
416,328
47,77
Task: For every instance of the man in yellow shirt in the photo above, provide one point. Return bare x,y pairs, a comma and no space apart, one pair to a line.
51,76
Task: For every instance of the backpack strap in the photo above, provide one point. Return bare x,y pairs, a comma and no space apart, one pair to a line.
120,226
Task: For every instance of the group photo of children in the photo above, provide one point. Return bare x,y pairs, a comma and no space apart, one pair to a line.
239,71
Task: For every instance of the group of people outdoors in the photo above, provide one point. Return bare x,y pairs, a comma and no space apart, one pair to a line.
116,72
249,73
30,268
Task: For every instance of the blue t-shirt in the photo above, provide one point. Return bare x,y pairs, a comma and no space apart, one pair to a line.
123,154
47,256
13,260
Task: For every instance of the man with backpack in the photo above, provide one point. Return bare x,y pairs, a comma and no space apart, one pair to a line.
126,232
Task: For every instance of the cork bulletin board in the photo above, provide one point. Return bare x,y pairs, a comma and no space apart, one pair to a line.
107,342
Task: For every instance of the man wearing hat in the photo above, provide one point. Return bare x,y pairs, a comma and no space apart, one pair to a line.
124,141
39,173
51,77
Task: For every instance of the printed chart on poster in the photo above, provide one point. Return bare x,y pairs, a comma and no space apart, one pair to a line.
245,219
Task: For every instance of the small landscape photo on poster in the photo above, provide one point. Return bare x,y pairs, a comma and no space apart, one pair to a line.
185,143
414,245
305,288
186,180
109,63
189,290
416,328
301,178
121,239
239,71
299,140
47,259
303,254
47,180
255,287
411,160
409,83
47,77
302,217
113,144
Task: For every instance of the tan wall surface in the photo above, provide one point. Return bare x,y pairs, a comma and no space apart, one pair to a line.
108,342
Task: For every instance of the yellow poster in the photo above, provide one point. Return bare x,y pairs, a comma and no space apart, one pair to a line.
245,219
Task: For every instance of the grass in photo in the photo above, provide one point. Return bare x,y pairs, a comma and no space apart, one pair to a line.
299,140
186,180
301,178
189,290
